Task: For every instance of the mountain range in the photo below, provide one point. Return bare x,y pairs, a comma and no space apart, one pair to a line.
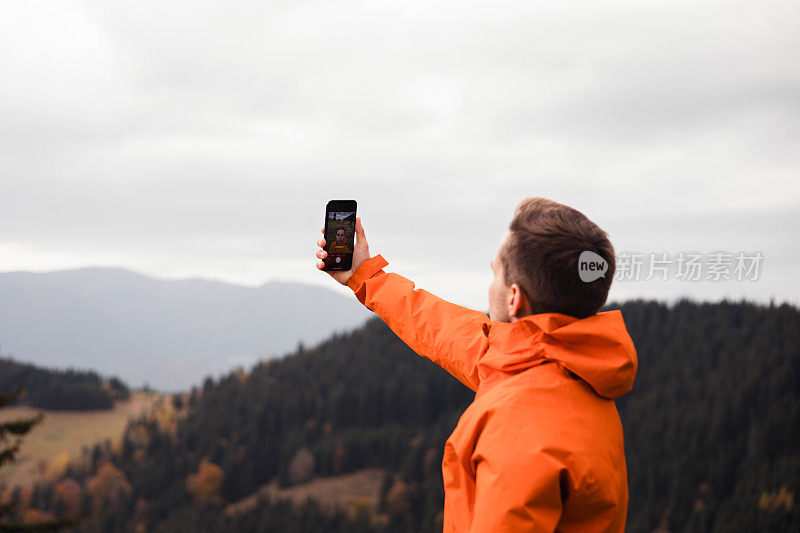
168,334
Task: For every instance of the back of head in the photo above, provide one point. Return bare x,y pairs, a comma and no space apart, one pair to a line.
541,256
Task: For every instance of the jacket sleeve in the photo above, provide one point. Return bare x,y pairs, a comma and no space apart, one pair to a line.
452,336
517,487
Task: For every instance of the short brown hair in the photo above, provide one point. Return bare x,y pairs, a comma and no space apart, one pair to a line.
541,256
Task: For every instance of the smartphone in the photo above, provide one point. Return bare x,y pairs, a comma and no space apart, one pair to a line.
340,234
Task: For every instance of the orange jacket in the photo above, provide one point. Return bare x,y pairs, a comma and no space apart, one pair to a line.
541,447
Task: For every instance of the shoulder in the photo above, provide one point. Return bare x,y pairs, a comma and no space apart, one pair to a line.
547,406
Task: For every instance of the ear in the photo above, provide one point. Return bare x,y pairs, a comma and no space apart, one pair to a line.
517,302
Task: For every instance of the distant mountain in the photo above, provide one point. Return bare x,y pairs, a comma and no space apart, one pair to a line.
168,334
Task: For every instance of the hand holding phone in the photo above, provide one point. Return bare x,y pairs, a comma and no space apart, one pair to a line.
344,247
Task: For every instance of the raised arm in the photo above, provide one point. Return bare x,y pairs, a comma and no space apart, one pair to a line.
452,336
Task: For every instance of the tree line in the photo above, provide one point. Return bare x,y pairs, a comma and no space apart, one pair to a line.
60,390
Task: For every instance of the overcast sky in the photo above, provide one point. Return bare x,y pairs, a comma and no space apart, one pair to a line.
204,138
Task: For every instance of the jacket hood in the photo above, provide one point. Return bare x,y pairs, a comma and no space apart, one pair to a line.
598,349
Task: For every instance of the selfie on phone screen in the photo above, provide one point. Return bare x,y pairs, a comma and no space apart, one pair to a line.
340,238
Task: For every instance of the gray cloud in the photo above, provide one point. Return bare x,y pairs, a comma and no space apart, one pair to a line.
204,138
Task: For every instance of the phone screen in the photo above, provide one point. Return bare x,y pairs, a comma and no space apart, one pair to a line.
340,230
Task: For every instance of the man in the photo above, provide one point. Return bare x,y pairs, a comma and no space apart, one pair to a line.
338,248
541,446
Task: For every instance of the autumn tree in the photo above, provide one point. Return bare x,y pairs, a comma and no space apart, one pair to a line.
205,483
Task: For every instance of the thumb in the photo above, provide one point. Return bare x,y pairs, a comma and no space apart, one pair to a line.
361,238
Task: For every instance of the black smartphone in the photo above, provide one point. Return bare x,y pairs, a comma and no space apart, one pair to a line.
340,234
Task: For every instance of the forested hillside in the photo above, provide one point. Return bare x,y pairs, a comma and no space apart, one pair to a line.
59,390
712,430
